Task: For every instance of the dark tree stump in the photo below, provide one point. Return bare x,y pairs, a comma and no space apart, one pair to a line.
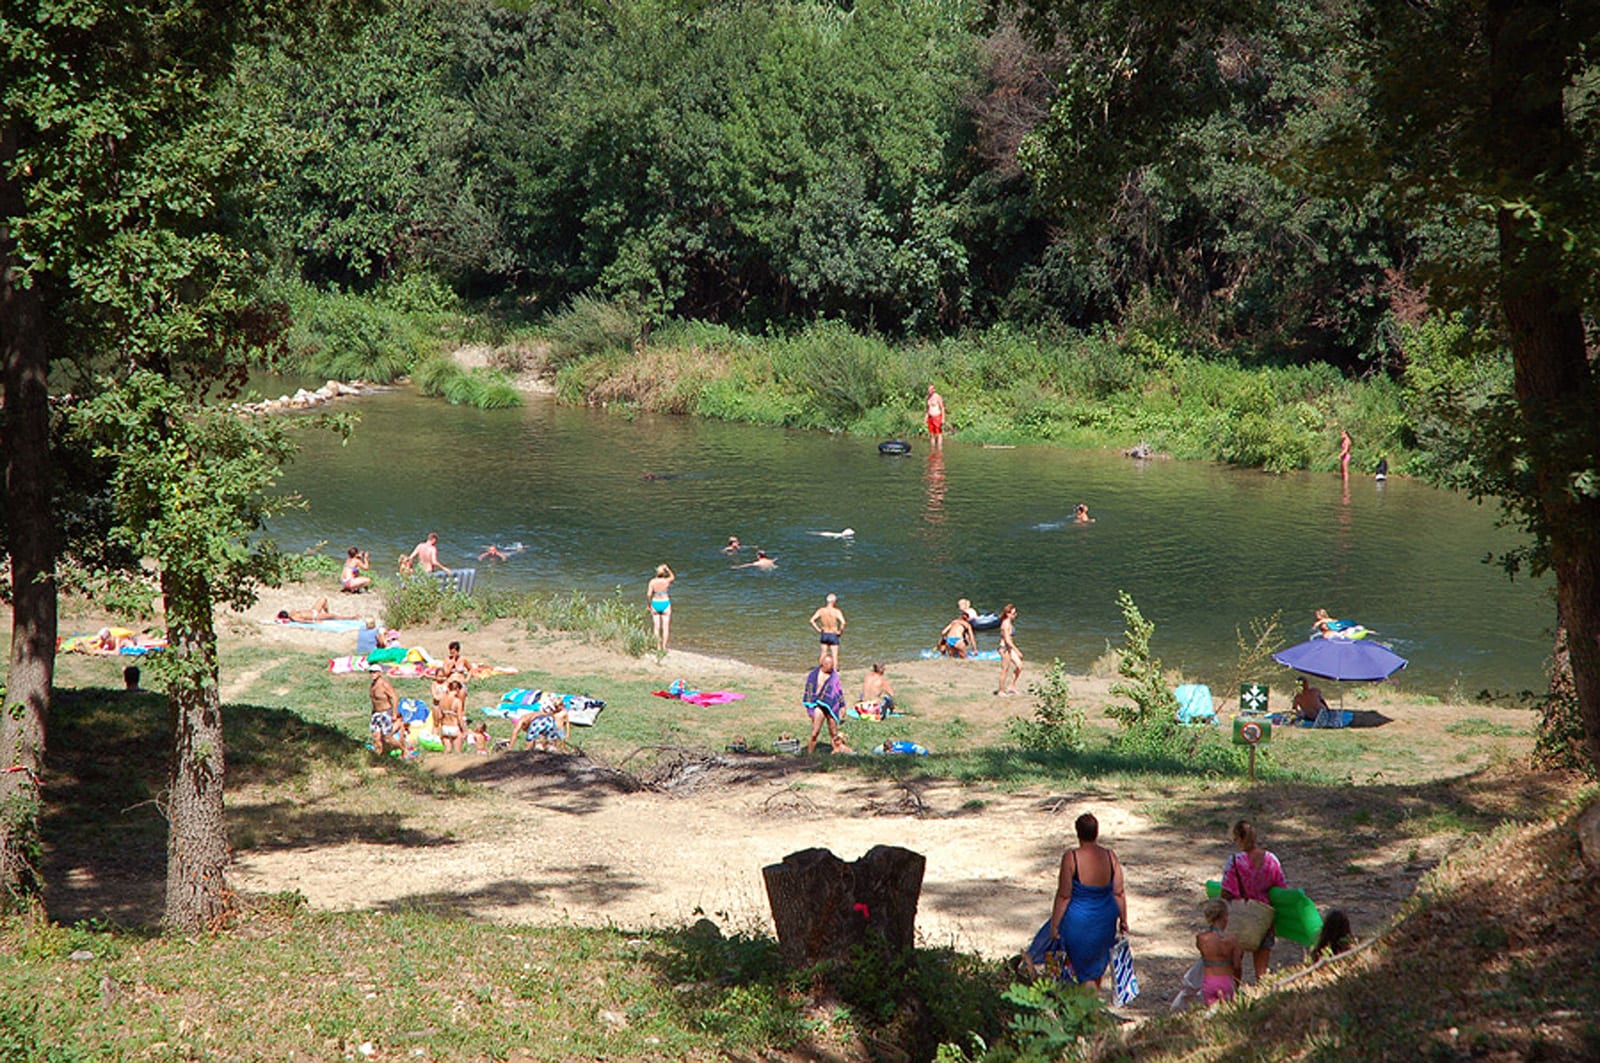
824,908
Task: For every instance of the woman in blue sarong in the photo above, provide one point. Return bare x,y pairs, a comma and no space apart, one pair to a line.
1090,906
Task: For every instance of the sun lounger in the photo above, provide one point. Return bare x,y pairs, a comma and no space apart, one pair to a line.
460,580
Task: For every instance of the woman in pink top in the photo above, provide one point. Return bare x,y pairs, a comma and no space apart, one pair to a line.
1250,873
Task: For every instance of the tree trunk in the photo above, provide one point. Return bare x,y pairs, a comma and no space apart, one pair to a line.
198,896
1555,385
31,538
824,909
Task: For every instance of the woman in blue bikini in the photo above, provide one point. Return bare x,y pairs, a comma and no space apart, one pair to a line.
661,605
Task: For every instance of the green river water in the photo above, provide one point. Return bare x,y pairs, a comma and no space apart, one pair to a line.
599,500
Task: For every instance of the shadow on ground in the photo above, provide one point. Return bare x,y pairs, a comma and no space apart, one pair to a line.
103,829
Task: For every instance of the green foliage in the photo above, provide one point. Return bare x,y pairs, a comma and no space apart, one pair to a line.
1049,1021
191,484
371,143
615,621
1056,723
350,337
1455,374
419,600
484,390
590,326
1149,731
1142,682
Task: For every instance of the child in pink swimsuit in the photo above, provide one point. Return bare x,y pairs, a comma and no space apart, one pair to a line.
1219,953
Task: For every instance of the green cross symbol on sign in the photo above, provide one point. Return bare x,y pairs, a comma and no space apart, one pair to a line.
1252,697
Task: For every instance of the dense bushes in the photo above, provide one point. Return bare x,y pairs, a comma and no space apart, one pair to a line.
1005,385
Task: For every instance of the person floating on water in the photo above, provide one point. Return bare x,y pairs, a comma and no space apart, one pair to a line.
492,553
1080,515
761,561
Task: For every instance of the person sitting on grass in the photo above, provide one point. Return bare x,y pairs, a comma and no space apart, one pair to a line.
1309,701
877,690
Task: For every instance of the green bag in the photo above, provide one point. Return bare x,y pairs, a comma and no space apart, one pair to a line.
387,655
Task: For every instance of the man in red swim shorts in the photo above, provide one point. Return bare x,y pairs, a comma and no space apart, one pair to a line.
935,417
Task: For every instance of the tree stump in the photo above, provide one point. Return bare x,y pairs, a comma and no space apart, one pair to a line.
824,908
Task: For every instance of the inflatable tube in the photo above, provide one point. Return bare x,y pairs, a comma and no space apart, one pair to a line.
986,622
894,446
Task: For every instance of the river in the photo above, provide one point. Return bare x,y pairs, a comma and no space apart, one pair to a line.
599,500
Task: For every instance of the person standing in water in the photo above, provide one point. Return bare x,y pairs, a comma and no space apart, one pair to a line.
1344,454
660,593
828,622
425,555
935,417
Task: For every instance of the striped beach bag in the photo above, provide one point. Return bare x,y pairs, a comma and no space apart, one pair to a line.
1125,983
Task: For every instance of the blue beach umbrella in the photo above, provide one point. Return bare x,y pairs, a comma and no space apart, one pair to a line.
1361,660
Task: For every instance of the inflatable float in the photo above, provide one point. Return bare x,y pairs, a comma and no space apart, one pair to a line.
985,621
894,446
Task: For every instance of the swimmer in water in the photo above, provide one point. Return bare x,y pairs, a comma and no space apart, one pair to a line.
1081,515
733,545
761,561
493,553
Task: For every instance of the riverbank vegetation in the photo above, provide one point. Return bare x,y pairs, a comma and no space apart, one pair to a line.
1086,220
838,210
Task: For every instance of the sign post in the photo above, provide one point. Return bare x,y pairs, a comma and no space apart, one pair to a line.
1251,733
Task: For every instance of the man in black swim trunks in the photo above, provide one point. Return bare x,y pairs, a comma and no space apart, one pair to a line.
828,622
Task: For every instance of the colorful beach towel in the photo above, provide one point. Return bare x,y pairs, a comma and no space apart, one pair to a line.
975,655
901,745
703,698
320,625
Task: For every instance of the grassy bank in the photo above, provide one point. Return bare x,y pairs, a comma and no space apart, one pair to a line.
424,977
1002,385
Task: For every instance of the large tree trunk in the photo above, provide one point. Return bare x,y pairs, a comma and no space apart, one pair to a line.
825,909
1554,381
31,535
198,896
